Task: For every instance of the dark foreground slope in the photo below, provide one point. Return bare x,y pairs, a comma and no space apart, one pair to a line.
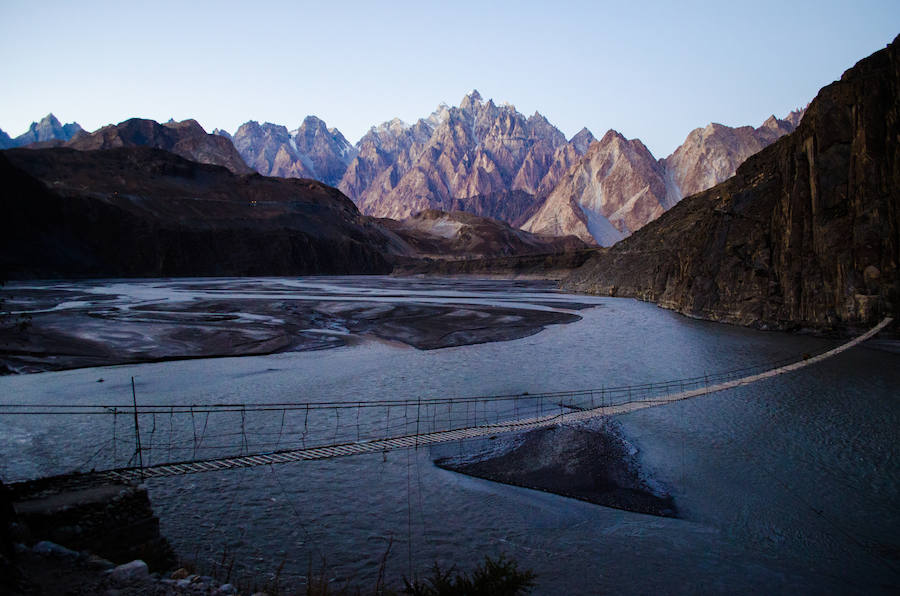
804,235
145,212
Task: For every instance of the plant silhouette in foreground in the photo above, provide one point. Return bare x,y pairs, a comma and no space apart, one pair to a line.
496,577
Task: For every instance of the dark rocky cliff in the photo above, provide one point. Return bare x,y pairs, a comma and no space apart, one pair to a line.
133,212
804,235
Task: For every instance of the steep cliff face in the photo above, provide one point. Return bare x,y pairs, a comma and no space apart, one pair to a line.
614,189
478,149
311,151
186,138
139,211
806,234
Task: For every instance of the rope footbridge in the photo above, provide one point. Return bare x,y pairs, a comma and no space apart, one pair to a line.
324,430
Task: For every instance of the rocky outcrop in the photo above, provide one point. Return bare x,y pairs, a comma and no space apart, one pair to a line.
138,211
109,519
186,138
49,129
478,149
614,189
806,234
311,151
436,234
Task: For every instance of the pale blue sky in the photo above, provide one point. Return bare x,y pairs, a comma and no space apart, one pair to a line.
653,70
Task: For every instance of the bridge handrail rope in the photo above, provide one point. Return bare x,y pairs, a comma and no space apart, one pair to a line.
108,409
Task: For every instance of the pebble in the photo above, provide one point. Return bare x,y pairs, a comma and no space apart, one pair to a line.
179,573
226,589
130,572
45,547
99,562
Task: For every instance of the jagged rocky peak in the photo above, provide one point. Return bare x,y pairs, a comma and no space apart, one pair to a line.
47,129
327,151
712,154
615,188
253,136
471,100
269,149
478,149
394,125
222,133
310,151
540,127
438,115
796,116
582,140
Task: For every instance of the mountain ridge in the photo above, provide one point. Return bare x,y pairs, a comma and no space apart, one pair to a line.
480,157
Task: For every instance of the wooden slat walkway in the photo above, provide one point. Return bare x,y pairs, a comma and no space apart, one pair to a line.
414,441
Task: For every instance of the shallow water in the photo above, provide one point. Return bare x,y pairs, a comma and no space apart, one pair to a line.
789,485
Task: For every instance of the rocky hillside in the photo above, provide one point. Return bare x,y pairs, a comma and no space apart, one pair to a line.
806,234
436,234
48,129
140,211
617,186
311,151
478,149
186,138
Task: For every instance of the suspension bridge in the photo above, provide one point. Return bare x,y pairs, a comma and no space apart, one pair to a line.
277,433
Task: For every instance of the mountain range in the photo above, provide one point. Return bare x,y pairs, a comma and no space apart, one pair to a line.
493,161
486,159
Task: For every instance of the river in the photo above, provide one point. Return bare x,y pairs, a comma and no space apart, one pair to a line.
788,485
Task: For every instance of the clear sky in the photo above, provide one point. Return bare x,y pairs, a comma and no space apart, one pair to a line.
652,70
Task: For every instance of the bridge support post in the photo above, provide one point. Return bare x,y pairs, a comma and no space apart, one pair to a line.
137,433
